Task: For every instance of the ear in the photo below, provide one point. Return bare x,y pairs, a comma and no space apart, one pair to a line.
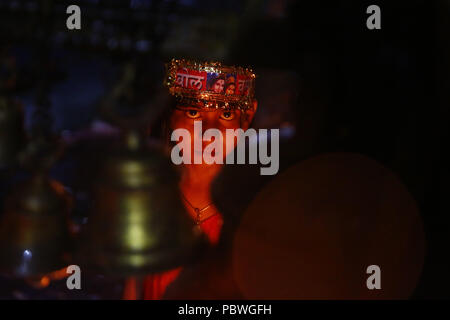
248,115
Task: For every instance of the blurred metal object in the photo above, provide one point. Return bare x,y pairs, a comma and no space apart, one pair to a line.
34,236
138,224
33,228
12,134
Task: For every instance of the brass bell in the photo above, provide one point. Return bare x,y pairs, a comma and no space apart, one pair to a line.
33,228
12,134
138,225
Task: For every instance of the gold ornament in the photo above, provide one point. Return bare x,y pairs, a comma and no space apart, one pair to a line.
138,224
190,82
34,237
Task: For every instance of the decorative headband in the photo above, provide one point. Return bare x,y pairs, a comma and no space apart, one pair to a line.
211,83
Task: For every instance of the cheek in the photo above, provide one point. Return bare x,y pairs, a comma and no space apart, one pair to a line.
179,121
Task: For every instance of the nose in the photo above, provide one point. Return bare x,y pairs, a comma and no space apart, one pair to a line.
210,121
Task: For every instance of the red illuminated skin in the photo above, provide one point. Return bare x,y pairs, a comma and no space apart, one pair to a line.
196,179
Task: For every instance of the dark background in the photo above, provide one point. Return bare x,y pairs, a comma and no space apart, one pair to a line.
321,72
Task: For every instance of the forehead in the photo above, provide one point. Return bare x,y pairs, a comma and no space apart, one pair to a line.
189,106
200,107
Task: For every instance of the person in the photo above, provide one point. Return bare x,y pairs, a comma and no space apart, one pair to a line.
217,84
221,112
324,222
230,88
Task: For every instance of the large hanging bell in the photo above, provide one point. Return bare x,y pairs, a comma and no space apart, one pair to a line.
12,134
33,228
138,224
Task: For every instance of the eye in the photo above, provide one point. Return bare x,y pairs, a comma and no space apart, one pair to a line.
227,115
193,114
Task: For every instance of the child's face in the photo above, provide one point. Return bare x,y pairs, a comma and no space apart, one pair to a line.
230,89
218,86
184,116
